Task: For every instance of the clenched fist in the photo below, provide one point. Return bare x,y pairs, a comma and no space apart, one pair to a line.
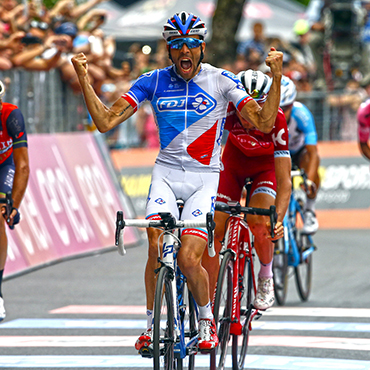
274,60
79,62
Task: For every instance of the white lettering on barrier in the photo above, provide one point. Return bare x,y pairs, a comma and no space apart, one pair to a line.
13,252
346,177
32,216
48,191
98,197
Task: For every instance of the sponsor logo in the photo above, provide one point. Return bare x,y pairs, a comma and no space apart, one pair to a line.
200,104
278,138
197,213
160,201
167,249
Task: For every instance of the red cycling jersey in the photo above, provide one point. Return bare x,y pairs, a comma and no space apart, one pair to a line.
251,153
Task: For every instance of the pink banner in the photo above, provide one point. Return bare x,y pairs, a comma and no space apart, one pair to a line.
70,205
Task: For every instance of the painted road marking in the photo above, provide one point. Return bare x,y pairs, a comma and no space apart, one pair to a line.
141,324
251,362
274,311
360,344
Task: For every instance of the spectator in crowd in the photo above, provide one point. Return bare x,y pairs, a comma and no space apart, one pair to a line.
257,43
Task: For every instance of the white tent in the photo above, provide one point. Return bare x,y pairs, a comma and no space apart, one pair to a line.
143,21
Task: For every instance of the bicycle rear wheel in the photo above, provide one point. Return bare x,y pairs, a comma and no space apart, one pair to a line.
222,310
164,324
246,290
303,272
280,272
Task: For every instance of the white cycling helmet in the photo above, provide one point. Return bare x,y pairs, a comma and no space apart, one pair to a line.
256,83
184,24
2,89
288,92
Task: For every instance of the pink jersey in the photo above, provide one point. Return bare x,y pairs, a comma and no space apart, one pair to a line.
363,119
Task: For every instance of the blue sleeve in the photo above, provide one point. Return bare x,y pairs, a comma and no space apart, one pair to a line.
305,123
144,87
17,129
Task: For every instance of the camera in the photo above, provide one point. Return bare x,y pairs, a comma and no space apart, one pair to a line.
30,39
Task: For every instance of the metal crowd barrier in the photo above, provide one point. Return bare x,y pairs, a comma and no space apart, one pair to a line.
50,106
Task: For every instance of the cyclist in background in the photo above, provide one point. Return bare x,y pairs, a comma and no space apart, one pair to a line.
303,147
266,160
363,119
189,100
14,173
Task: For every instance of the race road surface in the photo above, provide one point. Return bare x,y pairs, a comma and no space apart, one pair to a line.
87,313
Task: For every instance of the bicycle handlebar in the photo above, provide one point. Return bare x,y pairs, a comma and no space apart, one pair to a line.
167,222
235,208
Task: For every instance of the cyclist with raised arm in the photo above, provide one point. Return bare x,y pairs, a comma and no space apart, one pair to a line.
265,158
189,101
14,173
303,147
363,120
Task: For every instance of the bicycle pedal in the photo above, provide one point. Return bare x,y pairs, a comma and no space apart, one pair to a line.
146,352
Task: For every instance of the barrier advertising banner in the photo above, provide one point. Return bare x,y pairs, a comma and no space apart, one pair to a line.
70,204
343,200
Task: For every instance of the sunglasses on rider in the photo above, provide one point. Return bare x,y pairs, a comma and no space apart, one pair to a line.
256,94
188,41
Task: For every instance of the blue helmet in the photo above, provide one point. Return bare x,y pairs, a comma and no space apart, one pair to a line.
184,24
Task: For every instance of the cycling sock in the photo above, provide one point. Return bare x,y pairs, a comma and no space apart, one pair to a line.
149,319
265,270
205,312
310,205
1,281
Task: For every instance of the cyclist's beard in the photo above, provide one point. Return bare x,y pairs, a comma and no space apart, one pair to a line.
200,59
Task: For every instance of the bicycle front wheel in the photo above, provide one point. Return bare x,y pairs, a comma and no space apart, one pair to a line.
303,271
280,272
240,342
222,309
164,323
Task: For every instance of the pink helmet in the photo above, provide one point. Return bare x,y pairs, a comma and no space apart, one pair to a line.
184,24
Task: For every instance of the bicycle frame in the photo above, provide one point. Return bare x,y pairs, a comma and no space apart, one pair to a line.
239,243
295,257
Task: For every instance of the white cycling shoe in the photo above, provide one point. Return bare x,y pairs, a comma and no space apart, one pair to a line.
265,296
311,225
2,309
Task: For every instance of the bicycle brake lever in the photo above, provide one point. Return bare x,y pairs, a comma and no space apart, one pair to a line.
9,206
210,227
120,225
273,219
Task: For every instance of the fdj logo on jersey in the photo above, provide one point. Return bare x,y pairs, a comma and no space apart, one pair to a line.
200,104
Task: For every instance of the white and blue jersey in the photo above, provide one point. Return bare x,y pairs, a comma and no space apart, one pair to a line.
302,130
190,115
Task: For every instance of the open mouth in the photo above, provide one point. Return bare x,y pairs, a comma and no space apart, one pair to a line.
186,65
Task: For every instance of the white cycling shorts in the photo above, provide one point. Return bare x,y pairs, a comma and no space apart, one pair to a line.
197,190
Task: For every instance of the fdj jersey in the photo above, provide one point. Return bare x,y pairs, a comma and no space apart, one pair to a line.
190,114
302,130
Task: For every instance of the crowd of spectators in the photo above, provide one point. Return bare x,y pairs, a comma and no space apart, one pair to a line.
37,38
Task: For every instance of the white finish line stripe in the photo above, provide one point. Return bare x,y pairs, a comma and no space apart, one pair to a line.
360,344
251,362
141,324
73,309
274,311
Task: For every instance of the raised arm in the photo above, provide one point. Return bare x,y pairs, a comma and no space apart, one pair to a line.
264,118
104,118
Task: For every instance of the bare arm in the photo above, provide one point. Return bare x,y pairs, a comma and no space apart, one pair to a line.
365,149
264,118
104,118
